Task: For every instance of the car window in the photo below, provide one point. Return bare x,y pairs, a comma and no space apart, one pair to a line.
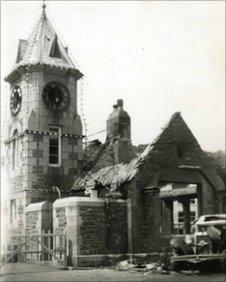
211,218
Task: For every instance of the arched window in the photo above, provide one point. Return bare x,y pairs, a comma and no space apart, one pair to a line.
15,152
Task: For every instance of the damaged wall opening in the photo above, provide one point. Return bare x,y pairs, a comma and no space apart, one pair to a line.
180,214
179,207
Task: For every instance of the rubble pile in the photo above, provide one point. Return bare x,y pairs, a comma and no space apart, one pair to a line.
151,267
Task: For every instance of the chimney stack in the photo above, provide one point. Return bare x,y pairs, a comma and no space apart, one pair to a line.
118,126
120,104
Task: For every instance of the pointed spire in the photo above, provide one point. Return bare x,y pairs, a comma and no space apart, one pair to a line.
44,48
44,9
44,6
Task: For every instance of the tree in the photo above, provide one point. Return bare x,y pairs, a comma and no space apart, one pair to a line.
219,159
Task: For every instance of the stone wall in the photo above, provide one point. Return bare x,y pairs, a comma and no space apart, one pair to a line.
32,173
38,218
135,219
93,229
116,222
96,229
60,218
150,217
176,146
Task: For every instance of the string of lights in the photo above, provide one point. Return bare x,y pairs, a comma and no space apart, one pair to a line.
96,133
62,41
47,133
83,115
46,190
29,88
83,112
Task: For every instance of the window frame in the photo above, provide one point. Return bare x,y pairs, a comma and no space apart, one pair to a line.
13,211
59,146
180,217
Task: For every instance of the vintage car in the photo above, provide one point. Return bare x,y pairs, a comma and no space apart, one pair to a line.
204,248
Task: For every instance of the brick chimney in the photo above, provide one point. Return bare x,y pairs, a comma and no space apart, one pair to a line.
119,129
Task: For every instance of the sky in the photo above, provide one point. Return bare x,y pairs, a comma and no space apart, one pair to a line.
160,57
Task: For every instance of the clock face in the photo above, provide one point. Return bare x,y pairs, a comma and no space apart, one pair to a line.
56,96
15,100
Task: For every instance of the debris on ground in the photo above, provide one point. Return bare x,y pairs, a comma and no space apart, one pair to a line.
124,265
151,267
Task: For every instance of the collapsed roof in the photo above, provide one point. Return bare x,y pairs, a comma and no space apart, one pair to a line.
114,176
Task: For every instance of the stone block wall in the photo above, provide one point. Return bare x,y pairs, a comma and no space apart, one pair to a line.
60,219
136,218
175,146
38,218
95,229
116,224
32,171
150,223
14,221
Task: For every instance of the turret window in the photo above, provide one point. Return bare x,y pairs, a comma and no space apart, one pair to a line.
55,146
55,50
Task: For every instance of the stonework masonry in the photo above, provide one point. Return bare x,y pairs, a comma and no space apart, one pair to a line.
31,171
136,219
38,218
151,228
95,228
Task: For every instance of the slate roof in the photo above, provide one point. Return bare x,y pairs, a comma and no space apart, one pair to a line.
40,47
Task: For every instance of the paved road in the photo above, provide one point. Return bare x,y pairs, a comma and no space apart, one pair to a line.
29,272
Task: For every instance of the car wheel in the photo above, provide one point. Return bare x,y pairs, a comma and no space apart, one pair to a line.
176,266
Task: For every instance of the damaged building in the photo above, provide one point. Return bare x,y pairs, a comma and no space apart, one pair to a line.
169,185
107,201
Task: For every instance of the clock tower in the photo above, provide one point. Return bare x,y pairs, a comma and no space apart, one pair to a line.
44,142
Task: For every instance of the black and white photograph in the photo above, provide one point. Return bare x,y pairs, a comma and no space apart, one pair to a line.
113,164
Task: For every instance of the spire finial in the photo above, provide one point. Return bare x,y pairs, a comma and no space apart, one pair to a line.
44,5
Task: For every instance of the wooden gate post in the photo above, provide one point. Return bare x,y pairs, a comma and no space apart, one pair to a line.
49,243
19,251
43,242
65,249
25,249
